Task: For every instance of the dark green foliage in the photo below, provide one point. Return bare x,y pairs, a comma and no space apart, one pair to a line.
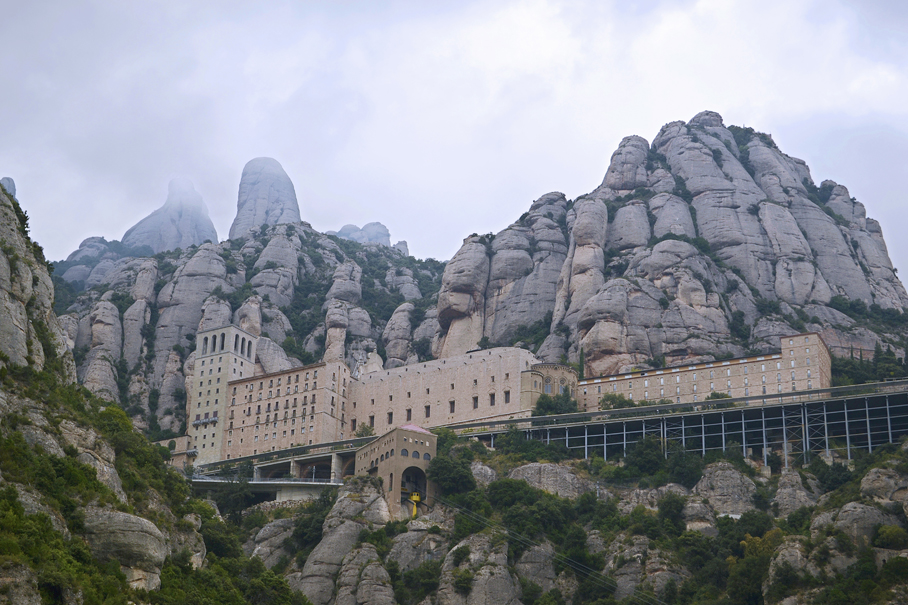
452,476
548,405
415,585
308,529
530,450
533,335
463,581
738,325
615,401
460,555
831,476
65,293
699,243
422,348
237,297
681,190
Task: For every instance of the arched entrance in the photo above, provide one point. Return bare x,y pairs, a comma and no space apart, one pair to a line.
413,488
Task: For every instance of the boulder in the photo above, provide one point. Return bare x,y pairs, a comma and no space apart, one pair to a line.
728,491
552,478
493,582
791,494
135,543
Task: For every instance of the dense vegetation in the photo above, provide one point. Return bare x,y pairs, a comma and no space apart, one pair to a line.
64,566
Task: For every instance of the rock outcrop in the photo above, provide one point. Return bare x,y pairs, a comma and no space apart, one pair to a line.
26,297
553,478
181,222
685,238
135,543
266,197
728,491
359,503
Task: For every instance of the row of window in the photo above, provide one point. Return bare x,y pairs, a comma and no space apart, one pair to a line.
241,346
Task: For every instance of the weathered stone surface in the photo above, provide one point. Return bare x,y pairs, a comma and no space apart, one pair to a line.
553,478
266,197
360,499
181,222
135,543
416,546
699,517
632,565
649,498
859,521
482,473
272,356
791,494
627,169
268,543
362,580
493,583
347,283
397,336
729,492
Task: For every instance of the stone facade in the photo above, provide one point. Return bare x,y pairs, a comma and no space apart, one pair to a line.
401,458
222,354
491,384
322,403
301,406
803,364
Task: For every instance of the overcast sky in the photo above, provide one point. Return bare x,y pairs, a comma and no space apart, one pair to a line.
438,119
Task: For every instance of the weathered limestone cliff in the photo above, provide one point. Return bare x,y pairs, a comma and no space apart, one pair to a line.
709,241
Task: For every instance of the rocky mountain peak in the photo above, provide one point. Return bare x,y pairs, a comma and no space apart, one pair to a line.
181,222
9,185
266,197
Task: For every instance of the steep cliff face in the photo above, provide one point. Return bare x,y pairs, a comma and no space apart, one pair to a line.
181,222
77,484
709,241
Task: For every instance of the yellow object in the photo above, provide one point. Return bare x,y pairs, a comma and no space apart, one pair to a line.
415,499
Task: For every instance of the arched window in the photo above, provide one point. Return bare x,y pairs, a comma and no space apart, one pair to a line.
415,454
243,347
205,346
381,458
236,343
392,453
222,341
426,456
404,452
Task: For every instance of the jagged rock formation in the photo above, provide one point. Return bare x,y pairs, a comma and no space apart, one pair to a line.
266,197
29,330
371,233
181,222
708,242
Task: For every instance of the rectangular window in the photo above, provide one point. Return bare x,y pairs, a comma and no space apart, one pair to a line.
372,421
507,396
491,399
475,402
428,412
390,417
451,404
409,414
353,425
